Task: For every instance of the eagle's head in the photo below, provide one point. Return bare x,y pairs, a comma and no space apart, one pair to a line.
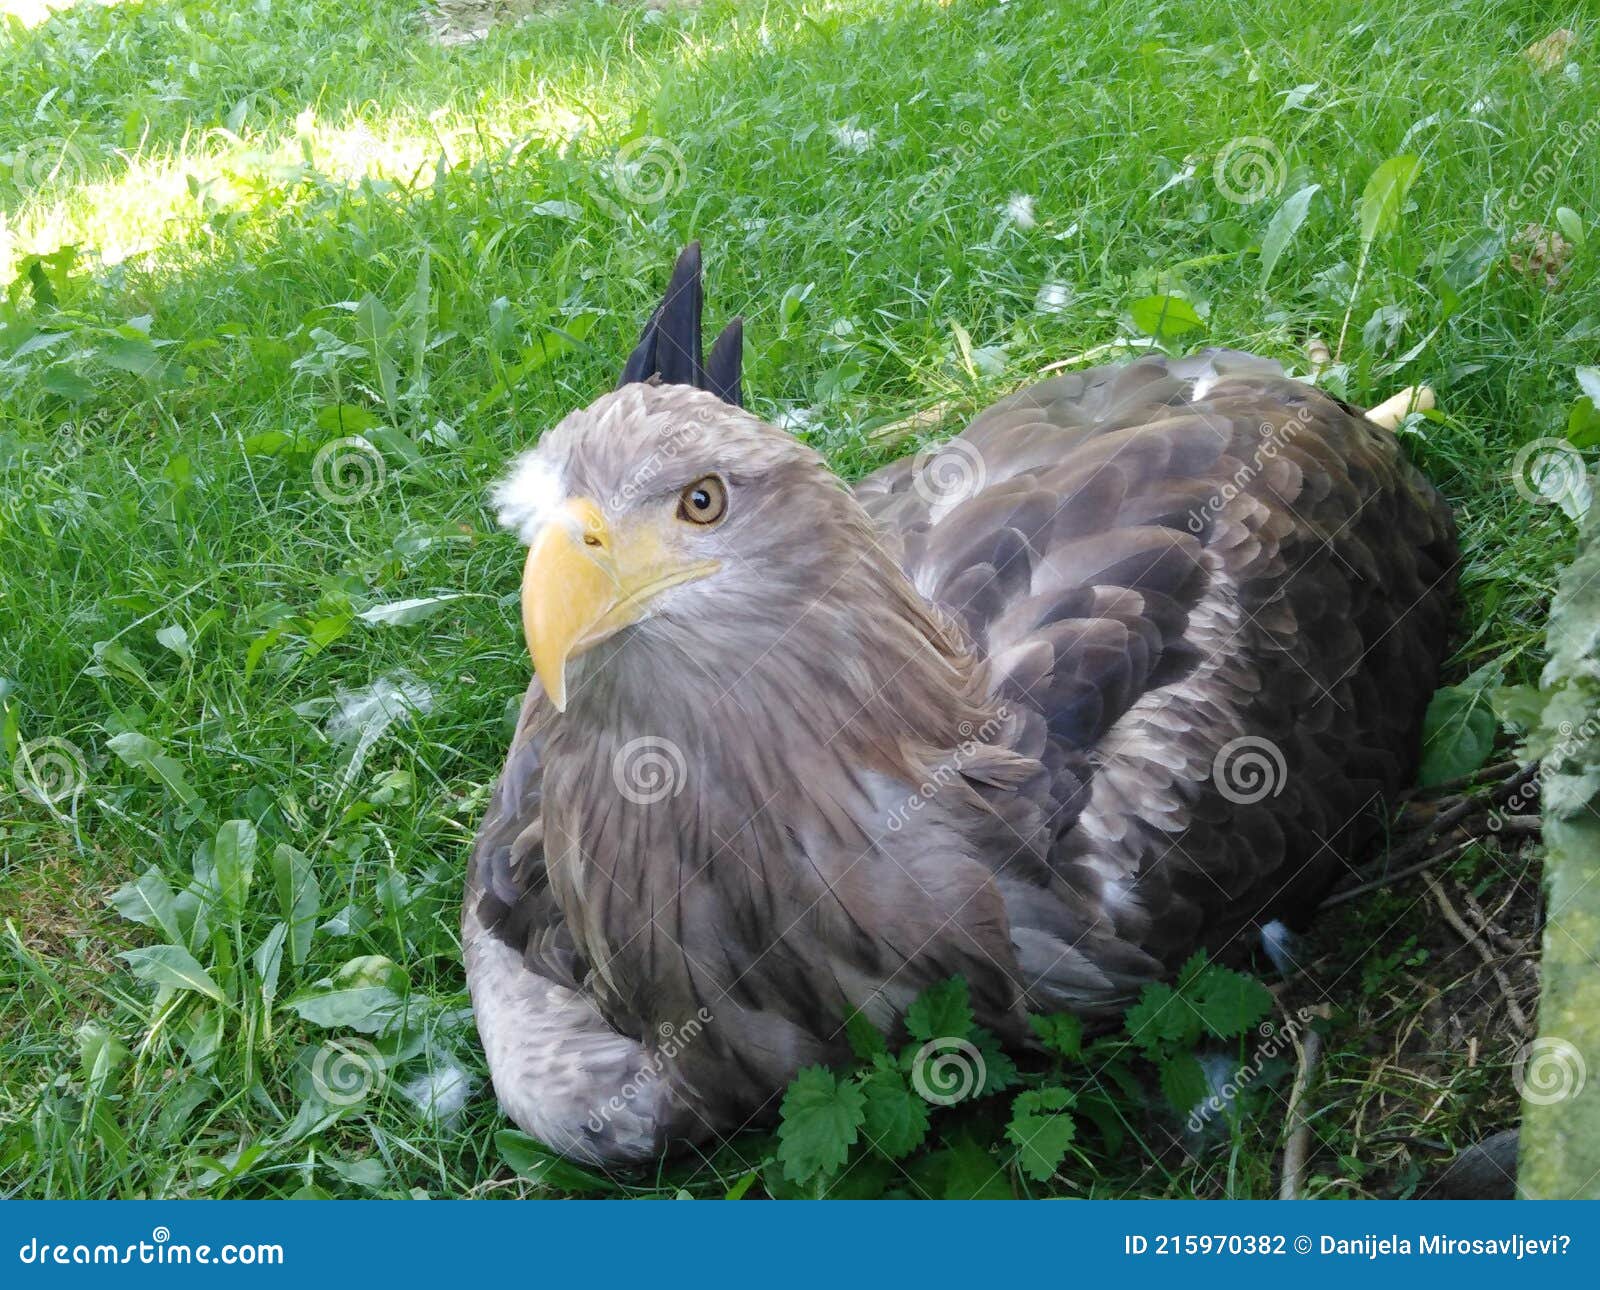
662,507
681,550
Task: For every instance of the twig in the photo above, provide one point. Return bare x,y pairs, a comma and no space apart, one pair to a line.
1498,771
925,419
1436,834
1390,879
1518,1017
1504,941
1295,1150
1438,827
1099,351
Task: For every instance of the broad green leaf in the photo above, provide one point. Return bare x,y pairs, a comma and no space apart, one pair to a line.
171,965
366,994
866,1042
100,1055
113,658
144,753
1041,1130
1163,316
999,1071
896,1119
964,349
326,630
234,855
821,1118
135,354
788,308
1457,734
1229,1002
1520,706
175,639
1385,194
1469,259
1184,1082
1570,224
1589,382
341,420
374,323
941,1011
1061,1033
268,959
1285,223
402,613
1162,1020
1583,423
148,901
531,1159
971,1173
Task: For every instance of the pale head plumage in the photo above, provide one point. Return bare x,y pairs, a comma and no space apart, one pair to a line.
796,554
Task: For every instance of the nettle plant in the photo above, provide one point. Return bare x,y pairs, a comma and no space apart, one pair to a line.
928,1118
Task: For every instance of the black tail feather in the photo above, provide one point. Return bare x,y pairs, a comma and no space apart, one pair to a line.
670,345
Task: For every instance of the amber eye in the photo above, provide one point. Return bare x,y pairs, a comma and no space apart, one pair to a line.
704,502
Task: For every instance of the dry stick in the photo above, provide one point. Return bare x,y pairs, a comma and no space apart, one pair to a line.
1436,830
1476,942
1512,824
1400,875
1295,1150
1498,771
1525,825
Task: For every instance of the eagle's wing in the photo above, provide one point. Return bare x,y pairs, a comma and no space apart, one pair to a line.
1213,600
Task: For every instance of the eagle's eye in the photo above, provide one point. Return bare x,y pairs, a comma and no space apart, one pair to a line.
705,501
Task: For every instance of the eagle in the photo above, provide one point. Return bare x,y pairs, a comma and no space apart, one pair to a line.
1123,671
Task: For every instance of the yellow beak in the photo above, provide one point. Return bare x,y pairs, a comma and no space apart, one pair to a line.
583,582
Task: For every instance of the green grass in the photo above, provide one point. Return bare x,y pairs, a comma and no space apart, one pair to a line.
237,181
